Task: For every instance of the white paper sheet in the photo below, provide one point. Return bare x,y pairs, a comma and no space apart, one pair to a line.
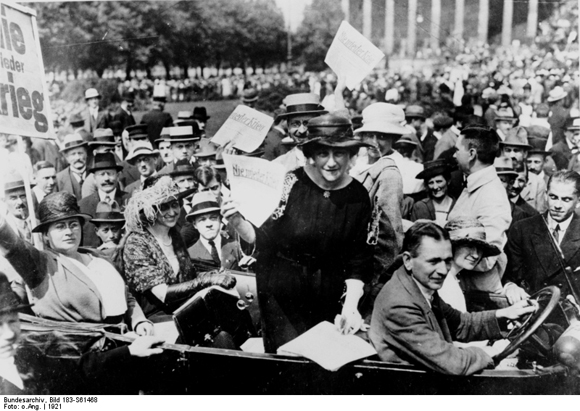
246,127
352,55
256,184
327,347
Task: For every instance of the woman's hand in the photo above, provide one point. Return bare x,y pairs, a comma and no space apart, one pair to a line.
144,328
230,210
349,322
143,346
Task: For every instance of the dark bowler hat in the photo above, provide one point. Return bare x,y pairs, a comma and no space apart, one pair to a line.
433,168
72,141
203,203
200,113
538,145
103,161
56,207
442,120
117,127
182,168
103,137
160,99
8,301
332,131
128,96
107,213
137,131
189,132
302,104
76,120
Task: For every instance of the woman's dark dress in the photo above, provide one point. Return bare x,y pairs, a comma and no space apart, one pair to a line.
305,256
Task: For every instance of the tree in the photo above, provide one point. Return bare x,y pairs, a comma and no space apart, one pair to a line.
319,26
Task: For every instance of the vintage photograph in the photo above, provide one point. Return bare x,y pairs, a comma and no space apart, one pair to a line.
289,197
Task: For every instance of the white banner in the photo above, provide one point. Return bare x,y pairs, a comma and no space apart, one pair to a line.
256,185
24,103
352,55
245,127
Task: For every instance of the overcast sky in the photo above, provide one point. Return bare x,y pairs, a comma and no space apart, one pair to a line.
293,9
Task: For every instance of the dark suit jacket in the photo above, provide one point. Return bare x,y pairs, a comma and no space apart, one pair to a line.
88,205
230,253
561,154
404,328
155,121
102,121
124,118
557,122
48,151
527,209
129,174
428,144
273,147
67,182
532,261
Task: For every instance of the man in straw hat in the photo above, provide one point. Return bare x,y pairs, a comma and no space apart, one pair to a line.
484,198
382,180
515,146
536,245
144,158
300,108
514,182
504,121
412,323
213,247
71,179
106,174
92,116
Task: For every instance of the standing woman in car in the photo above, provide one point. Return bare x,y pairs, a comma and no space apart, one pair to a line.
313,247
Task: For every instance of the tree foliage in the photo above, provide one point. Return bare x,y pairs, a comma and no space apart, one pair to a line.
321,21
141,34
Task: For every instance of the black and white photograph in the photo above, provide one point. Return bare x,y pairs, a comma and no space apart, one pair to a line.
288,197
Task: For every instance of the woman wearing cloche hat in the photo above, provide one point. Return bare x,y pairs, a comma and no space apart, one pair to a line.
314,244
94,289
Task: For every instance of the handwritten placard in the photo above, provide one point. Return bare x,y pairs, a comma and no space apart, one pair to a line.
245,127
352,55
256,185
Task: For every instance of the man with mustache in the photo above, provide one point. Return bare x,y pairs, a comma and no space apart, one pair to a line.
106,174
71,179
144,158
533,262
17,206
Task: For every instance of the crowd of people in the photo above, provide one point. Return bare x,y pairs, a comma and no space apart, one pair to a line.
417,209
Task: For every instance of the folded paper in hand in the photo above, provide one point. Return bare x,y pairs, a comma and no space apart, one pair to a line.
327,347
245,127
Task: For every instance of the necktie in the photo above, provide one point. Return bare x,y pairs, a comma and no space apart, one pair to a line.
26,231
108,200
556,233
214,253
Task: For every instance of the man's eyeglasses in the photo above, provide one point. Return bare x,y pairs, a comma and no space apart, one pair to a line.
298,123
164,207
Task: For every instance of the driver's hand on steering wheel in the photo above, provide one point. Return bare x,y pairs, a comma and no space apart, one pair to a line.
517,310
514,293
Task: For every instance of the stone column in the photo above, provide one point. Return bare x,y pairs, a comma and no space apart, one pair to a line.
389,26
532,19
506,28
435,24
367,19
346,9
412,28
459,16
483,20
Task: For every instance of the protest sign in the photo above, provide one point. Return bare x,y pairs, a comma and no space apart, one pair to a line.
256,185
24,104
352,55
245,127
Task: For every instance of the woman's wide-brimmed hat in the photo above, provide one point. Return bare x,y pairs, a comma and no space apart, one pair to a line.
56,207
331,130
8,301
302,104
434,168
157,190
108,213
383,118
203,203
470,232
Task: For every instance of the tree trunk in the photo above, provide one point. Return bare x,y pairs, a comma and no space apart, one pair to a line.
167,70
185,68
128,67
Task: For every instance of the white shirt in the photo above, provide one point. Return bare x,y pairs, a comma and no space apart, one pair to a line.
218,245
103,195
427,293
563,227
40,194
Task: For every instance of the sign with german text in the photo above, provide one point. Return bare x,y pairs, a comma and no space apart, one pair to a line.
245,128
256,186
24,104
352,55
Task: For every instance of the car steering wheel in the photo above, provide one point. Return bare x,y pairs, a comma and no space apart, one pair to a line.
530,325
